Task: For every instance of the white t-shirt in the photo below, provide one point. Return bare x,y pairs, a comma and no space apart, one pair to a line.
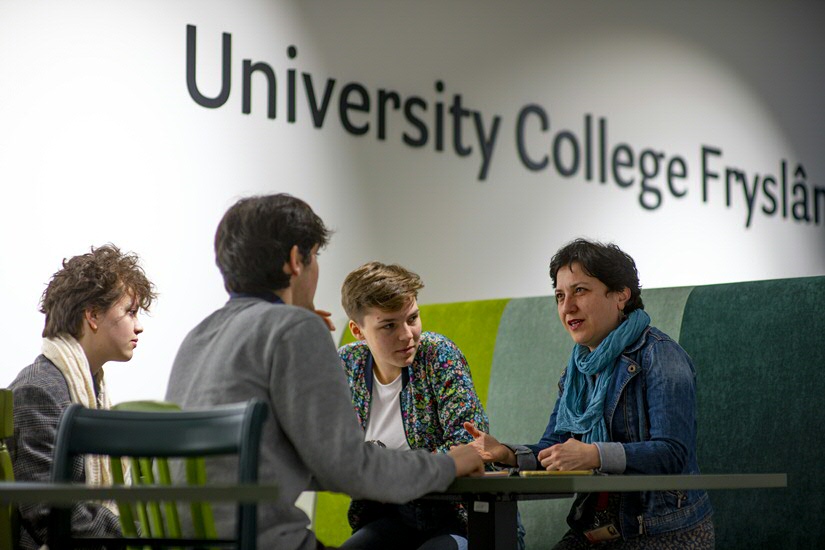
385,423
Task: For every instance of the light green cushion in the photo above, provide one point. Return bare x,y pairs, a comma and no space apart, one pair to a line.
6,413
472,326
330,518
8,512
666,307
531,351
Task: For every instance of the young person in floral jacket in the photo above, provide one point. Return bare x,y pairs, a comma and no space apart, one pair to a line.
411,390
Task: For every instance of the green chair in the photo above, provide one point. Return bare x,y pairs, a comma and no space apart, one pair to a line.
224,430
8,513
159,519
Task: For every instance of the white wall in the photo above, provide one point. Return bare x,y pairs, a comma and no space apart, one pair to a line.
743,77
100,141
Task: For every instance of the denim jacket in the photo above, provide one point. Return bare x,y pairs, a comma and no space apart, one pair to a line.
650,412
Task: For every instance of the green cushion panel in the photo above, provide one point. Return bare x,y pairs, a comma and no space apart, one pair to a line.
8,520
472,326
759,354
330,518
532,349
6,413
666,307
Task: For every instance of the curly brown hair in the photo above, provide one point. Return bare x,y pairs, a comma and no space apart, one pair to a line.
377,285
93,281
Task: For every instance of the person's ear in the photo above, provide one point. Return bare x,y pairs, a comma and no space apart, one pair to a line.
293,264
355,330
91,317
623,297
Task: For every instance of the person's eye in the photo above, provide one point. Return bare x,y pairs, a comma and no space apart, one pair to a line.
389,326
413,319
559,298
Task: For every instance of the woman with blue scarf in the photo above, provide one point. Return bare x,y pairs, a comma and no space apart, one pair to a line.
627,405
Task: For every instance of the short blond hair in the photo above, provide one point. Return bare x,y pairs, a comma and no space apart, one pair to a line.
377,285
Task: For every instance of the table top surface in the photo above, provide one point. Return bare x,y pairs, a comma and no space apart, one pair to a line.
19,492
61,493
613,483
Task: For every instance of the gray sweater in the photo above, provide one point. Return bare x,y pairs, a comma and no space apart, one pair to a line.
312,440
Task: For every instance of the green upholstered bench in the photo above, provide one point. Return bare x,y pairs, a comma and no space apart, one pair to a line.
759,350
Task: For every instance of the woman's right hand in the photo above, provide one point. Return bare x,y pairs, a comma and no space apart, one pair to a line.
488,447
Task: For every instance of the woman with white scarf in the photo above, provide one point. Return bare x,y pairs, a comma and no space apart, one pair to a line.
91,307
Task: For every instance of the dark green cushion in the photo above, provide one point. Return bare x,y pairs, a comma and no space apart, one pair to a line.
759,349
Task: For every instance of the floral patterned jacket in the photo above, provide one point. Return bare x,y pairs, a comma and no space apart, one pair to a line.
437,394
437,397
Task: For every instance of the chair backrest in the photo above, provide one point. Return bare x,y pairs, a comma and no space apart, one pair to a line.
223,430
158,519
8,513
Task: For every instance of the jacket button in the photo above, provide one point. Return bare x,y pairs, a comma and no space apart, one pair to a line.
631,369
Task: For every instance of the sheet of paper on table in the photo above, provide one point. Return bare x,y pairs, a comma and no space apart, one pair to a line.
531,473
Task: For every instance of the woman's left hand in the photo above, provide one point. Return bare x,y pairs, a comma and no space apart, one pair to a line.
570,455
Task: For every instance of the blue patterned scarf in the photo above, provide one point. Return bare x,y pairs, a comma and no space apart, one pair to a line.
576,415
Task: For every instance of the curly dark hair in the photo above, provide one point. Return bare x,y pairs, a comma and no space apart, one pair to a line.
93,281
255,236
606,262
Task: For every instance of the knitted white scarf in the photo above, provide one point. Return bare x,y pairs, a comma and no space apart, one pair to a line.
68,356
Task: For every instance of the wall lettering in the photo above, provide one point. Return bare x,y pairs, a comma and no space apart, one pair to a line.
442,121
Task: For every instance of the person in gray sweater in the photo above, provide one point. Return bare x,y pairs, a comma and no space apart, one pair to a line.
268,342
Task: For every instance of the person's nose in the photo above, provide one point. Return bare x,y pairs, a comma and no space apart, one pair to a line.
406,333
138,326
568,305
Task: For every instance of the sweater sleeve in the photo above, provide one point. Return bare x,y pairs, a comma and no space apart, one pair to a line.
313,405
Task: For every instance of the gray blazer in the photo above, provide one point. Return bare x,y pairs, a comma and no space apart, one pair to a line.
40,396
